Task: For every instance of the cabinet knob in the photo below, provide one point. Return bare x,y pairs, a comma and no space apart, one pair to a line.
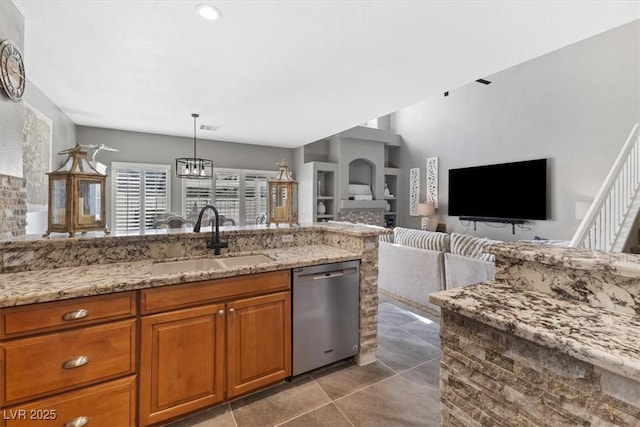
75,363
77,422
220,313
75,314
232,311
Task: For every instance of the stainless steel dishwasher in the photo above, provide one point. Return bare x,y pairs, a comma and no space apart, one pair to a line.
325,314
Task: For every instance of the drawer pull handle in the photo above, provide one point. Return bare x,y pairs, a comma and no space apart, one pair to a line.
77,422
232,311
76,362
220,313
75,314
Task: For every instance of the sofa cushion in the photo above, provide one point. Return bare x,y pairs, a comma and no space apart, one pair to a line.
410,273
462,270
386,238
471,246
421,239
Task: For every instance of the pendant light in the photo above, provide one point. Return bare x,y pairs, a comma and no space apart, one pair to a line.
194,167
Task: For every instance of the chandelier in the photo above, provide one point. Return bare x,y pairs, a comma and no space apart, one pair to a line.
194,167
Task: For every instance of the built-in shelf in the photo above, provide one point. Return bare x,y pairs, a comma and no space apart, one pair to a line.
325,216
391,175
325,197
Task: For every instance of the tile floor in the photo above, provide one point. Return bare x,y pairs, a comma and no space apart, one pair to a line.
400,389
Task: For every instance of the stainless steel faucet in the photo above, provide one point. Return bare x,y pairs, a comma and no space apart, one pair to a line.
214,243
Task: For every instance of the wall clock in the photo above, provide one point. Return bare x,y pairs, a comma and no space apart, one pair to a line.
12,74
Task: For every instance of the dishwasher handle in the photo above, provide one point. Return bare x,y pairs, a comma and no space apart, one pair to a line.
325,275
328,275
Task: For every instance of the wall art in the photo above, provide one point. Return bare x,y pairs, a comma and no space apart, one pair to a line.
414,190
36,146
432,181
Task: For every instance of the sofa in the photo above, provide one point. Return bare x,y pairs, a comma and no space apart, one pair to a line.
412,264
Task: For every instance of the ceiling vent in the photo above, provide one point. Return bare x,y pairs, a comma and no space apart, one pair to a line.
483,81
211,128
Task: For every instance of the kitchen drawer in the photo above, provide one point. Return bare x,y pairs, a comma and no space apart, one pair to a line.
107,404
39,365
49,316
178,296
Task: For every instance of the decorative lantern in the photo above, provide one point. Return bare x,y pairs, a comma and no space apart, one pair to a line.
283,197
76,196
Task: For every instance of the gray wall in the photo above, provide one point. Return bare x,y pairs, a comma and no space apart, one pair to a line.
11,28
140,147
574,106
12,117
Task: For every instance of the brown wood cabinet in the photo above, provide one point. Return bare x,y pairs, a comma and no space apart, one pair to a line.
69,361
188,354
258,342
181,362
108,404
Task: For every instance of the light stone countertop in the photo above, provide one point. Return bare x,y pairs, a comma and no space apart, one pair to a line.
603,338
57,240
57,284
621,264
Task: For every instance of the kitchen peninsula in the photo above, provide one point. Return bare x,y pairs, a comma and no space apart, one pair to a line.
554,340
105,293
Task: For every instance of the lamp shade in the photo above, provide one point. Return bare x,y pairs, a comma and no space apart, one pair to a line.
425,209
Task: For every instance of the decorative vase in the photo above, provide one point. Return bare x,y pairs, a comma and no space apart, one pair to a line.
387,207
322,209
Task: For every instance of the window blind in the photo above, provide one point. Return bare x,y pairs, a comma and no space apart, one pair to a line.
140,193
237,194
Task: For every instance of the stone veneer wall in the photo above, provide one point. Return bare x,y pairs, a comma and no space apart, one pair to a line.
367,246
490,377
13,206
371,217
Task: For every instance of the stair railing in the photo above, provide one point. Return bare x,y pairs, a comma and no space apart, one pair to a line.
606,215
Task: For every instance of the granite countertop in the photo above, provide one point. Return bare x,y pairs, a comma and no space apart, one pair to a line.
622,264
34,241
603,338
57,284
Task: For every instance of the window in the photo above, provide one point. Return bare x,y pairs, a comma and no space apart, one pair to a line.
237,194
140,192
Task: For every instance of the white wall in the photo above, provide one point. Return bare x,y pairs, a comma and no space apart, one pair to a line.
574,106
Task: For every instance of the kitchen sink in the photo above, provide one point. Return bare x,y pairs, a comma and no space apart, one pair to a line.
207,264
187,265
240,261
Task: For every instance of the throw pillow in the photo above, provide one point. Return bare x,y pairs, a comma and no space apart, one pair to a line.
471,246
421,239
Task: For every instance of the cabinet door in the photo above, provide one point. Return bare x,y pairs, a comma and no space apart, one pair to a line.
107,404
182,362
258,342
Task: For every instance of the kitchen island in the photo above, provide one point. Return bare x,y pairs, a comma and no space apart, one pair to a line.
148,330
554,340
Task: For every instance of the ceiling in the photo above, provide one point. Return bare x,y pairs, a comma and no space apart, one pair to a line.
282,73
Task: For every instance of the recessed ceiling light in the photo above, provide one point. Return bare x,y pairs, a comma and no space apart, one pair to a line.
208,12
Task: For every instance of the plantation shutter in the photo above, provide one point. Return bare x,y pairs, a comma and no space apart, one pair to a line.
237,194
139,193
197,194
127,200
227,195
255,196
156,195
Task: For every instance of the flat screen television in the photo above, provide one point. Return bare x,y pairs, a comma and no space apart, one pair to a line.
516,190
